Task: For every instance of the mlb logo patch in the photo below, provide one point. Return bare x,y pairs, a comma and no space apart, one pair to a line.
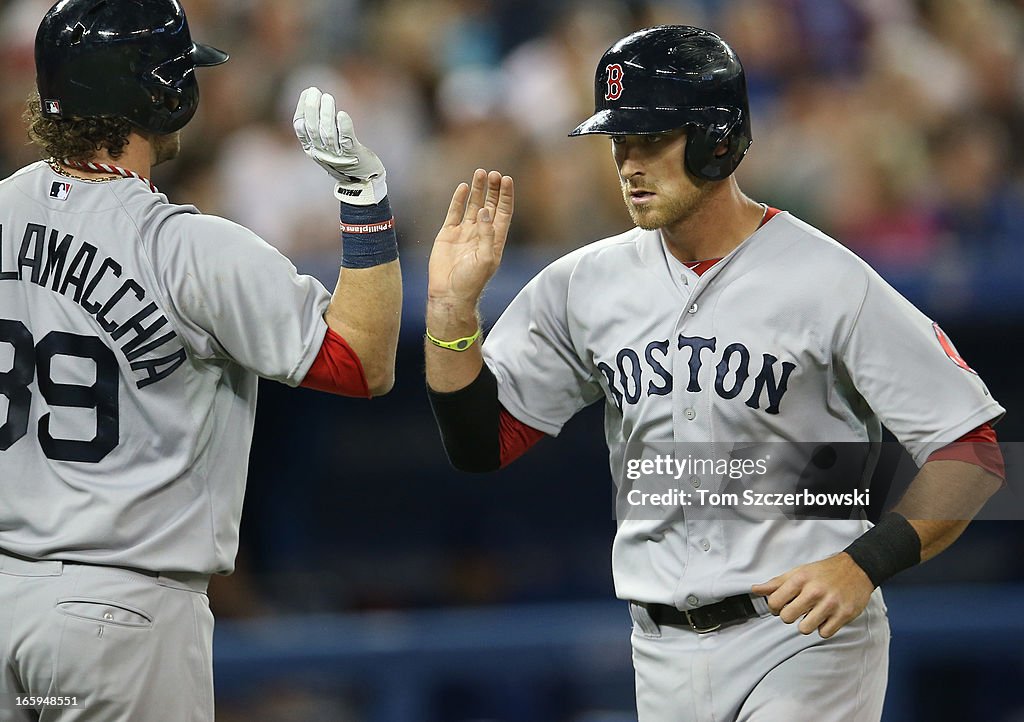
60,190
51,107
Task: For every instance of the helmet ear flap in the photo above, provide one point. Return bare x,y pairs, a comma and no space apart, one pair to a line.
702,142
169,108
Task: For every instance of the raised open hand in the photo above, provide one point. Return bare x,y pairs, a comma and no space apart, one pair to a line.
468,248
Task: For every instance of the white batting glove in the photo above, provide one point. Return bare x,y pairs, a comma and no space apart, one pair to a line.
327,136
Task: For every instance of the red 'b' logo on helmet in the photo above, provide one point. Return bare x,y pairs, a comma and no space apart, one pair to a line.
615,87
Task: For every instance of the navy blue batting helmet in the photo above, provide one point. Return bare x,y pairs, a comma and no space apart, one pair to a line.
675,76
133,59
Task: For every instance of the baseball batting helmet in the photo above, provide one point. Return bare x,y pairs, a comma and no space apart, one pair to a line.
669,77
133,59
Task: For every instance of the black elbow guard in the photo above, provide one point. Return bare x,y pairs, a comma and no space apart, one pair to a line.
469,422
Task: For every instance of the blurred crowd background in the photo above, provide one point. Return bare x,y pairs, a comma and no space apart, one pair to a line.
888,123
893,125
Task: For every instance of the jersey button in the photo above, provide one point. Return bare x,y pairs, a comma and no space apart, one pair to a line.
695,481
705,545
690,414
692,601
692,309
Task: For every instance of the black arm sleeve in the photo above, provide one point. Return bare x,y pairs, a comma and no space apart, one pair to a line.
469,423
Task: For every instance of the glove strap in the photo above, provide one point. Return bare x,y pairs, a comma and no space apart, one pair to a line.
361,192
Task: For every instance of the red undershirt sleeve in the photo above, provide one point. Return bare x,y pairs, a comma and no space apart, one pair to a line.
978,447
337,369
515,437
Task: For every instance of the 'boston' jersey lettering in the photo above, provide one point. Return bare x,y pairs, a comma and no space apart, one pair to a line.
635,375
76,270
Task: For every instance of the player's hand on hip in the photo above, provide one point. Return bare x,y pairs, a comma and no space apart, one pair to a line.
824,595
468,248
328,137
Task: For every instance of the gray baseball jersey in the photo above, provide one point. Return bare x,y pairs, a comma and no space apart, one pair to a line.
789,338
132,333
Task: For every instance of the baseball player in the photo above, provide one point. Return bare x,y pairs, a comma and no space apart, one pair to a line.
715,321
132,335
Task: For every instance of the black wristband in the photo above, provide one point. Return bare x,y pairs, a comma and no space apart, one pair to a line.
469,422
887,548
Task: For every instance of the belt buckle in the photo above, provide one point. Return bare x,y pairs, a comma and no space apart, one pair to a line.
694,627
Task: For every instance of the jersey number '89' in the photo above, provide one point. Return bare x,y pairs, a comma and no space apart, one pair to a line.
30,359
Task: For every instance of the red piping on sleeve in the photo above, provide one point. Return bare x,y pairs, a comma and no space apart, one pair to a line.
337,369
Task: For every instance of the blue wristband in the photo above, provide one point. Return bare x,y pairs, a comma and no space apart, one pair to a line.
367,235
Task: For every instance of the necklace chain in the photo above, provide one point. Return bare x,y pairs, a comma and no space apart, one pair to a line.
101,168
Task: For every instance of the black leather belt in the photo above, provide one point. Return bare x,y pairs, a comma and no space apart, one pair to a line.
731,610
